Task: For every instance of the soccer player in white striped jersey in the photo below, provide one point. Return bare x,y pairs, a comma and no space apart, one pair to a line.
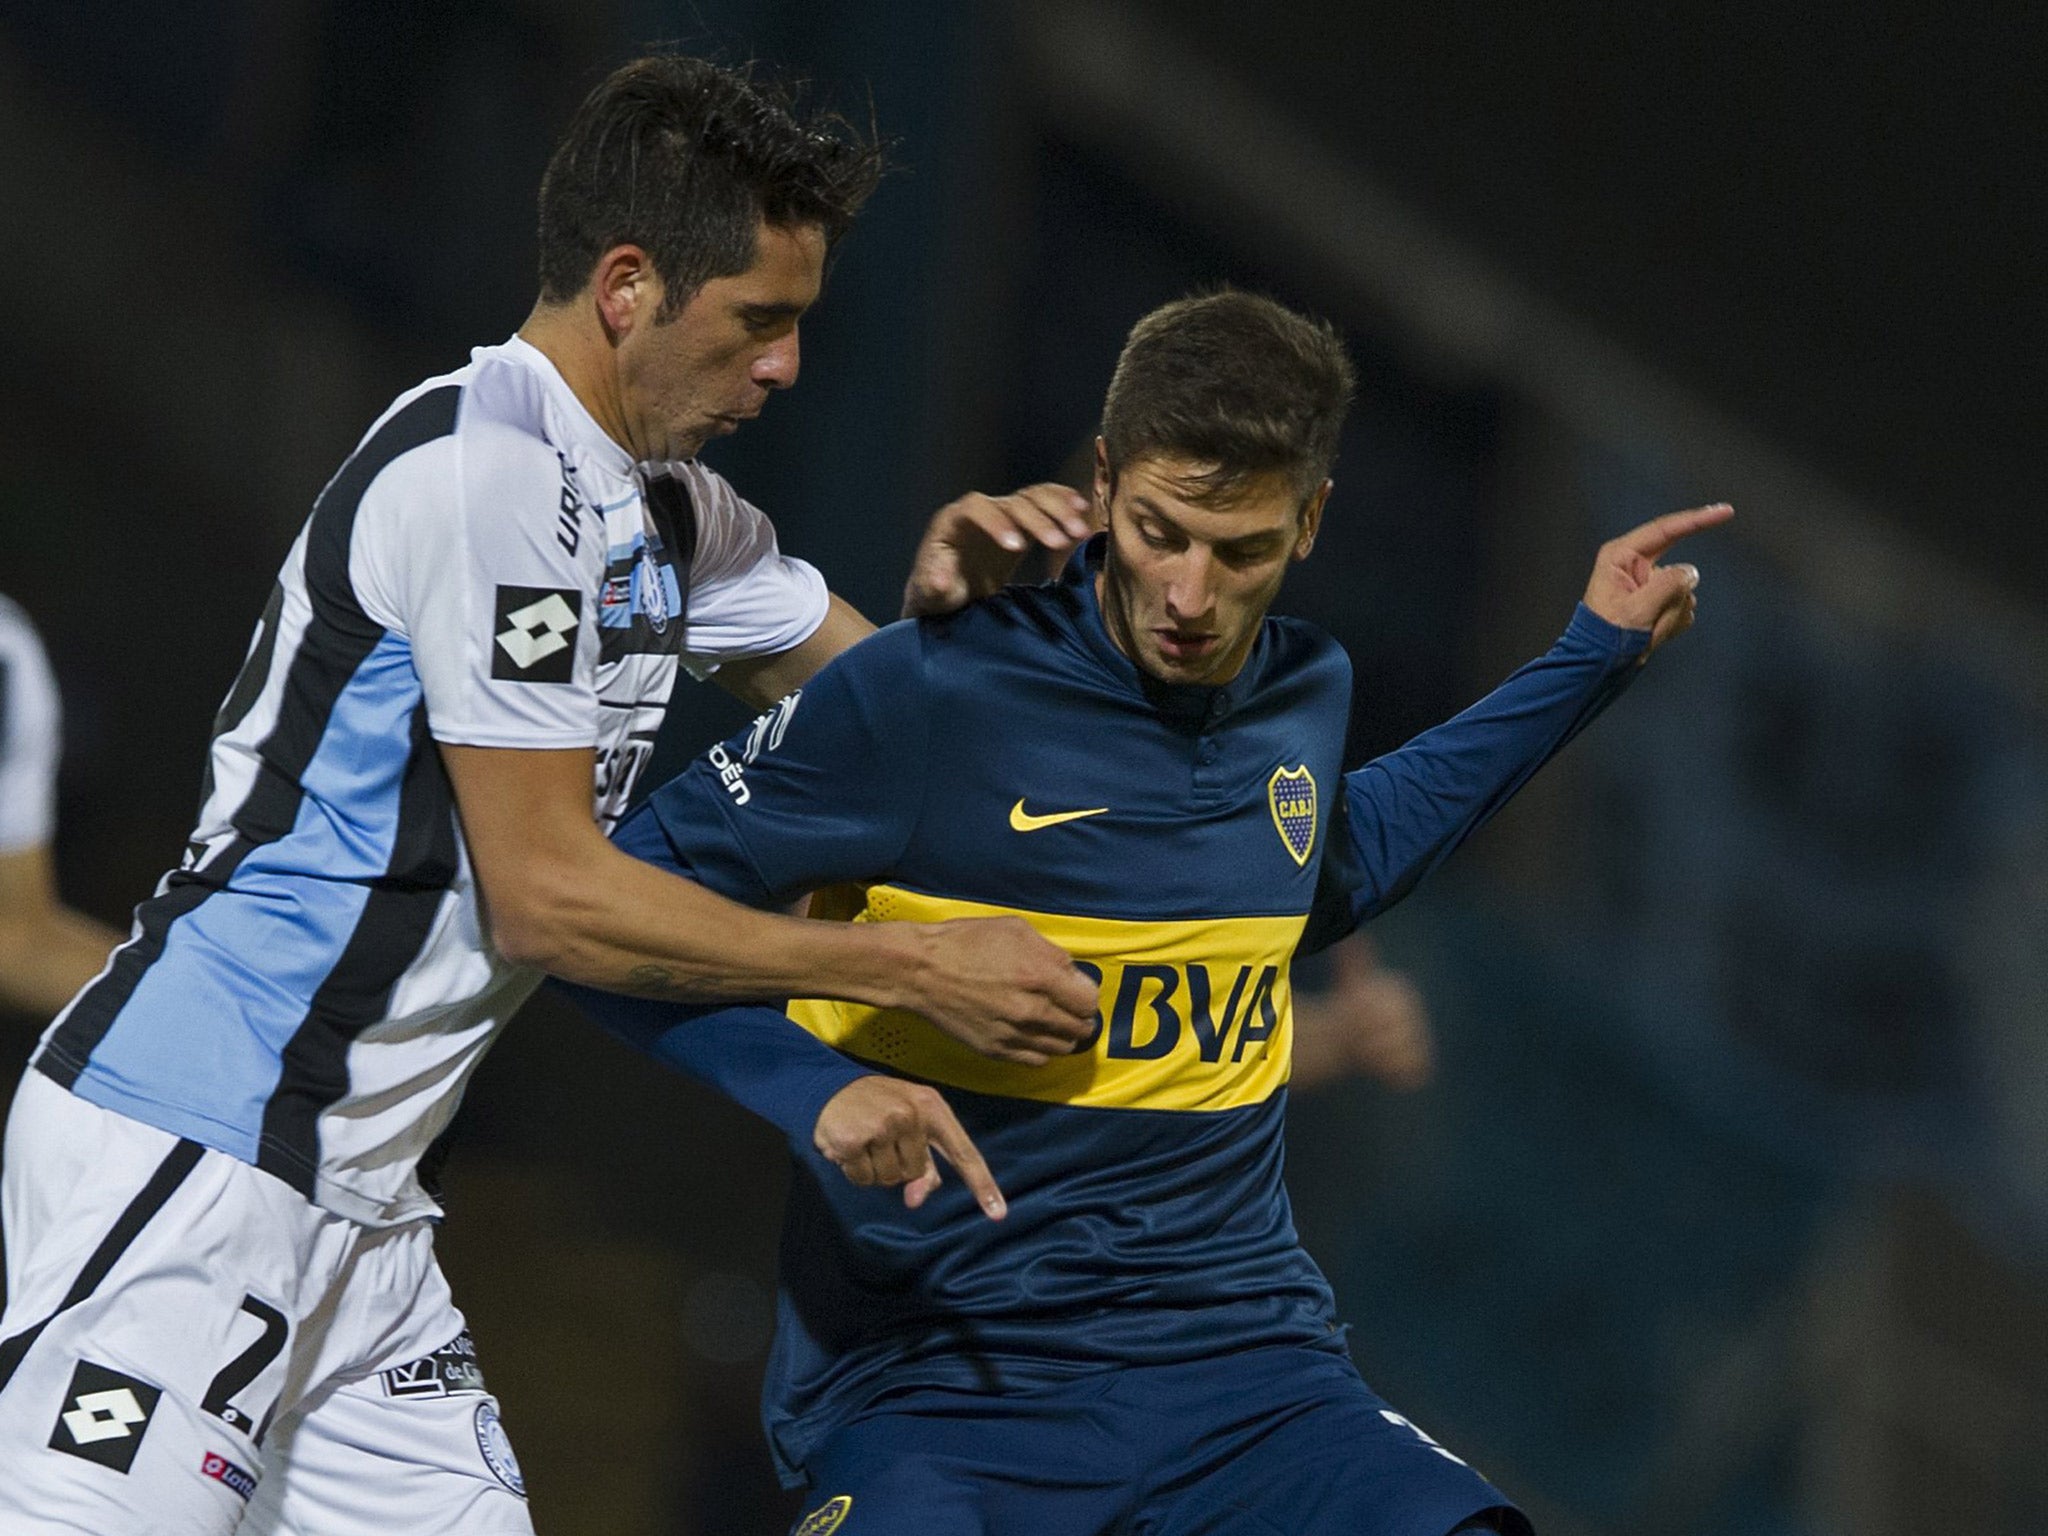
47,951
223,1306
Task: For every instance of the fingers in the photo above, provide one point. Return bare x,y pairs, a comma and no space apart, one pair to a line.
972,545
1651,539
951,1139
1052,515
1056,515
881,1130
1676,619
1074,994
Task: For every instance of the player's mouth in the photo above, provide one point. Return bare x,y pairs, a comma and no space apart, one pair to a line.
1177,645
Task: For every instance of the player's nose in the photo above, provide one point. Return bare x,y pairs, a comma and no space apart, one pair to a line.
1191,592
776,368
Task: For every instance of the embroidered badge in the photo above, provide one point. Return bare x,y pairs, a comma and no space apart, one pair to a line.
1291,794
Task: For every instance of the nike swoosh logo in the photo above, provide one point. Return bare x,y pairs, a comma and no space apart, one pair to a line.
1022,820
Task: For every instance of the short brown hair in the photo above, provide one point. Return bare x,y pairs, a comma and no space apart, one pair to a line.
1234,382
687,158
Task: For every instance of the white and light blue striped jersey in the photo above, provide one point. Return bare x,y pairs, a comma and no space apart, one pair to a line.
29,736
310,989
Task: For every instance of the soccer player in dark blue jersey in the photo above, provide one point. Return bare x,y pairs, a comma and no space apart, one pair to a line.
1145,765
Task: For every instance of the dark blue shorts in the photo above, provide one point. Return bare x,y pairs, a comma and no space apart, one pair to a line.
1271,1442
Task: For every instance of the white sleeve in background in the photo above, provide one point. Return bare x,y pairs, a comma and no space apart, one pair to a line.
747,598
30,736
464,548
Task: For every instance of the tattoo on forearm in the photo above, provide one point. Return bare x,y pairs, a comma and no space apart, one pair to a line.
657,981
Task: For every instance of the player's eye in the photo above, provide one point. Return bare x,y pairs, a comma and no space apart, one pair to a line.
1243,556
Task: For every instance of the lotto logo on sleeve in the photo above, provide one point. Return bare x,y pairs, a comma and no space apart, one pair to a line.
535,635
104,1417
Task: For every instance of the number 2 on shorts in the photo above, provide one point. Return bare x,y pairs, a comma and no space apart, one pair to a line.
245,1368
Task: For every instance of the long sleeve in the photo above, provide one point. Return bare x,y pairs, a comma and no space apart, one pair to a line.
753,1054
1403,814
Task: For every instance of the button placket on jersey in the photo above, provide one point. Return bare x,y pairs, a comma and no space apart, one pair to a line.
1209,777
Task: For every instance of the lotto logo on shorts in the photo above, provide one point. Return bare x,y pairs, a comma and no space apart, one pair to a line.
826,1518
104,1417
221,1470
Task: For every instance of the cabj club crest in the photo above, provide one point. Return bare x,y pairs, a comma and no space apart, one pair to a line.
1291,793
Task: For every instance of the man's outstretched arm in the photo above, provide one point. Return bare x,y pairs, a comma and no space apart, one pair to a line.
559,897
1403,814
822,790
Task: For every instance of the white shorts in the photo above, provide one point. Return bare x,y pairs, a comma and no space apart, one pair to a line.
190,1348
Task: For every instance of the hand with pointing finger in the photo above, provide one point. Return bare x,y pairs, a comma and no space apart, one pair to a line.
883,1130
1630,589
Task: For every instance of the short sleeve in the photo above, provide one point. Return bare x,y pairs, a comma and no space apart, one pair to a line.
747,598
464,547
30,731
826,787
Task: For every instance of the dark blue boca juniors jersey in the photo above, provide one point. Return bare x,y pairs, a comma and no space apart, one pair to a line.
1010,760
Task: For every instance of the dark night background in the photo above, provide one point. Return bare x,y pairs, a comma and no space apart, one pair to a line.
1728,1212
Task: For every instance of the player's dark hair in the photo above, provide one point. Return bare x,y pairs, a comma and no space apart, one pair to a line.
1233,382
686,159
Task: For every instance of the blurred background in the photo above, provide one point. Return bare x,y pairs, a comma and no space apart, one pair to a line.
1727,1212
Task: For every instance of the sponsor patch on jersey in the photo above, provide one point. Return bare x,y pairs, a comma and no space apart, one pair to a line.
1194,1014
449,1370
535,635
1291,793
496,1447
104,1417
826,1518
221,1470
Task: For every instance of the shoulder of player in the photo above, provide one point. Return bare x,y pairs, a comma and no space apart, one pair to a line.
475,441
1018,618
724,517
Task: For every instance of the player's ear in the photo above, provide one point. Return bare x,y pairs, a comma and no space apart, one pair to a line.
1311,520
626,289
1105,482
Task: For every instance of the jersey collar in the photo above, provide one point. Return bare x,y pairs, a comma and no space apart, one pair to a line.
596,446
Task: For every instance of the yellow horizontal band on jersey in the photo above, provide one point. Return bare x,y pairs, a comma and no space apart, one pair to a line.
1195,1015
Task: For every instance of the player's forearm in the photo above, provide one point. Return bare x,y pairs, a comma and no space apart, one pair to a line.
756,1056
1410,810
604,919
